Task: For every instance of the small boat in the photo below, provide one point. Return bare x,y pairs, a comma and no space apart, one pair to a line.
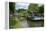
36,18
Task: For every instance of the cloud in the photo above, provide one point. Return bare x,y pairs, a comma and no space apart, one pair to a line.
22,5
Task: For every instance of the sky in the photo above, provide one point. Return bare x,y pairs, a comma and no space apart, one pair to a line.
22,5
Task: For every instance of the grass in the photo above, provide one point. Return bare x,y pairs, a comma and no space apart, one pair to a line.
14,22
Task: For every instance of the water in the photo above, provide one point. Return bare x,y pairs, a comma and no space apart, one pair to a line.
27,24
24,24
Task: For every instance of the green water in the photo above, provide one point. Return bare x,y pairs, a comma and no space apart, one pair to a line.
24,23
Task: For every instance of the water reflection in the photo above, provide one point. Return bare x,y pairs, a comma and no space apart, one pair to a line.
24,23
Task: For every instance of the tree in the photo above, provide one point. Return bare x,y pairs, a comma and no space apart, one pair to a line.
41,9
22,12
12,7
12,20
33,8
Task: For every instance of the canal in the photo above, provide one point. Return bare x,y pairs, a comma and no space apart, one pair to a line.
22,22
